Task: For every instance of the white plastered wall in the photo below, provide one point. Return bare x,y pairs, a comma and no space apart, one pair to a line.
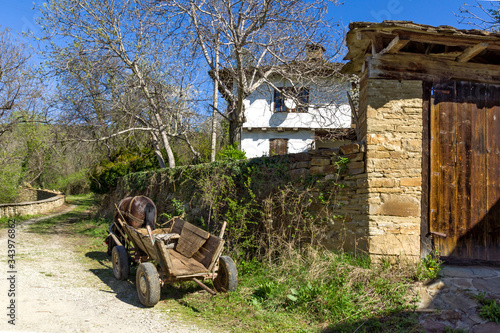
256,143
259,112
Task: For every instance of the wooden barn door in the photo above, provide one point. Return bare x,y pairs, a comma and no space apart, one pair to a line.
464,202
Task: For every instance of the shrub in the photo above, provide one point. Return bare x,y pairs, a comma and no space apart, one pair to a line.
231,152
105,174
76,183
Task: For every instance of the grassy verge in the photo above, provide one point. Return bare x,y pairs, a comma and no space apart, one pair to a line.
79,222
4,220
311,291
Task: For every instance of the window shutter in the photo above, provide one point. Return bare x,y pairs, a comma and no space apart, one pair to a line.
278,147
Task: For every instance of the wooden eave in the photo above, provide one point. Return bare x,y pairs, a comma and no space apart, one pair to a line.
404,50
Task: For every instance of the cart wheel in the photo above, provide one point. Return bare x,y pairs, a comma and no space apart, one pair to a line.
227,276
121,268
148,284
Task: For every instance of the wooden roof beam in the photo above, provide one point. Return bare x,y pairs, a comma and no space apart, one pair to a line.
432,38
396,44
471,52
377,45
402,67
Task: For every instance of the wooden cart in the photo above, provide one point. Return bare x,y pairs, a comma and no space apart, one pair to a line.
182,252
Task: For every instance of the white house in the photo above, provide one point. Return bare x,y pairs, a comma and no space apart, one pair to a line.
282,119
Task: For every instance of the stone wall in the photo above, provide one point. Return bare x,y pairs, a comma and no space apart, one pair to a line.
347,221
37,202
32,194
392,130
349,229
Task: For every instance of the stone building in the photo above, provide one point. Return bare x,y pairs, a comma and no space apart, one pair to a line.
429,122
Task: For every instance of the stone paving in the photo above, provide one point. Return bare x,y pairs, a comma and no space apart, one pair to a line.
448,304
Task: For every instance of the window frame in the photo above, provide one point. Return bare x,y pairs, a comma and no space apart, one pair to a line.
301,95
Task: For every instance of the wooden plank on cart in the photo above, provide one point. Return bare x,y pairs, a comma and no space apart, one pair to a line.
192,238
182,265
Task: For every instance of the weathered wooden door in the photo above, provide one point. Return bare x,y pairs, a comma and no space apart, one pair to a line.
464,200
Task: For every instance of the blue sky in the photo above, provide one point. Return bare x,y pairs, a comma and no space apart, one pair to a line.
18,15
432,12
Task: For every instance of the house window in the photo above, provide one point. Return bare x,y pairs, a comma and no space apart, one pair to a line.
278,147
290,99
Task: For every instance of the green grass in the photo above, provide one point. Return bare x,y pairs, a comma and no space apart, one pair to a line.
4,220
307,293
78,222
489,309
311,291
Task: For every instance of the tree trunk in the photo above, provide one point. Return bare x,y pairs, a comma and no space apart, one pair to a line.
166,143
170,153
235,132
215,105
156,148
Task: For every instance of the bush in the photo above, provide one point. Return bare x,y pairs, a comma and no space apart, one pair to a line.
10,175
77,183
231,153
104,175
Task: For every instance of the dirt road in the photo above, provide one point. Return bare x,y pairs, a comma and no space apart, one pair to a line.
59,288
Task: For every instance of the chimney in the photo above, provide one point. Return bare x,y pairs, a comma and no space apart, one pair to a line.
315,51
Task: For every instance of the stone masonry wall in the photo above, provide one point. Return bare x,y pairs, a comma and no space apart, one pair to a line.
393,135
32,194
37,202
349,229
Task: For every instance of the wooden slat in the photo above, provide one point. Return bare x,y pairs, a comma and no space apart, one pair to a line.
462,135
492,164
478,193
396,44
471,52
165,260
192,238
465,225
184,266
434,166
216,255
177,226
452,182
491,223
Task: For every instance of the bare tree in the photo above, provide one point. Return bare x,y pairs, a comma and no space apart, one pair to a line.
481,14
20,91
258,40
129,79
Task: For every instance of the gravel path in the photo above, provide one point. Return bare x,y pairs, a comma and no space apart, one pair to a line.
59,289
